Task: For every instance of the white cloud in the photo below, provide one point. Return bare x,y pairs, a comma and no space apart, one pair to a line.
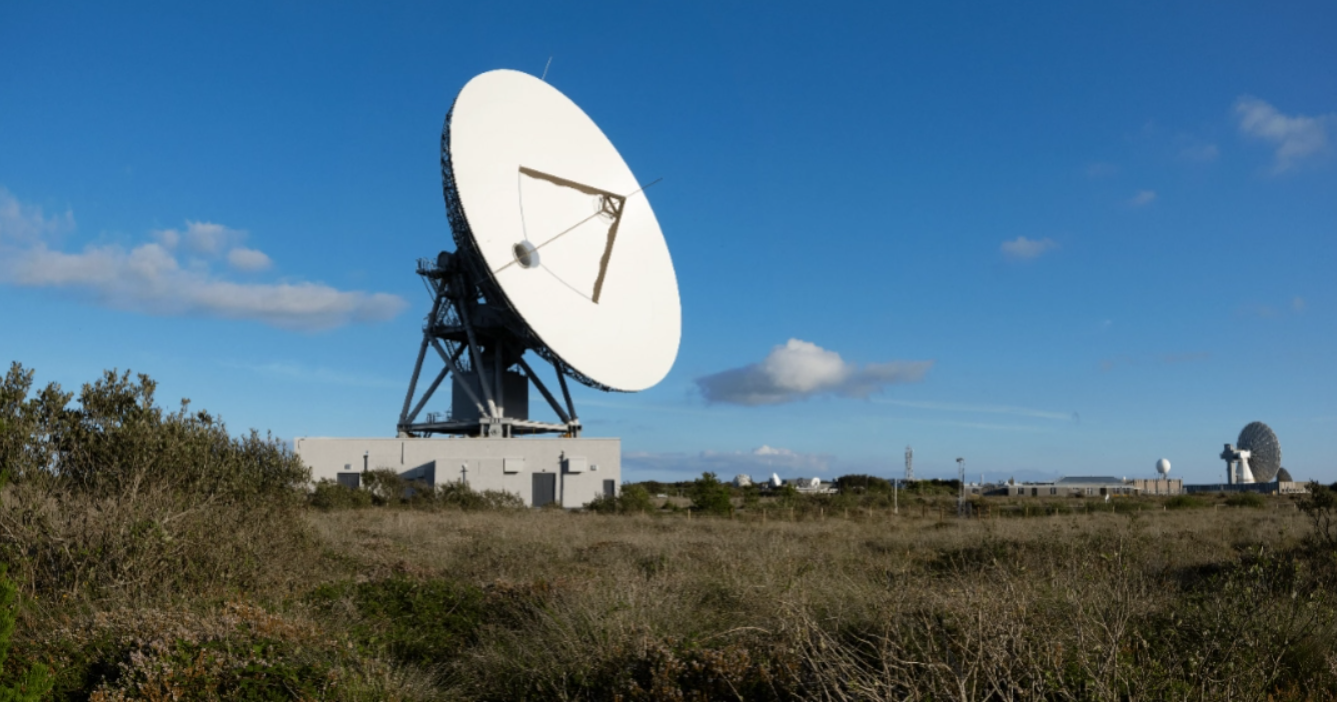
149,278
1296,138
798,370
1142,198
1022,248
23,223
758,463
250,260
202,238
1298,304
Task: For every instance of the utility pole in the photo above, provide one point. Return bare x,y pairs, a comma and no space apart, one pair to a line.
961,480
909,464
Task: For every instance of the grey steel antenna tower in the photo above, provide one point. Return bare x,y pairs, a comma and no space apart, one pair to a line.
909,464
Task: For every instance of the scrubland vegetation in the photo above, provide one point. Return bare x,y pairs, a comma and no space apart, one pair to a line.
155,556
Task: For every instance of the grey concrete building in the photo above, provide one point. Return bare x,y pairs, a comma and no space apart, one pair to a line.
568,471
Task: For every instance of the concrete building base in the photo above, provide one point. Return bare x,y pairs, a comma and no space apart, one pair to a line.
570,472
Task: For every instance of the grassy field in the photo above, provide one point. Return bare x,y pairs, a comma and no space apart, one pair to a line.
156,556
385,603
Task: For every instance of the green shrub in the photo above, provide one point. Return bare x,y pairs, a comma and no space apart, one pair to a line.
114,497
420,622
387,488
236,652
33,684
117,440
710,496
1246,499
427,622
461,496
1184,502
863,484
1320,506
329,494
634,499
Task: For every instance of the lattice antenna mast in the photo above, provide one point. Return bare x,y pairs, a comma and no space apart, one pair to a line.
909,464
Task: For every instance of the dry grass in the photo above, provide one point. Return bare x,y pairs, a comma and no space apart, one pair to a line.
1151,605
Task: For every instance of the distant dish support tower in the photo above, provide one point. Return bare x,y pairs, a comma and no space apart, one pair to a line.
909,464
1237,465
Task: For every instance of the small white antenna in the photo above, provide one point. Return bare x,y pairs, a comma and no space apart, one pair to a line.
544,77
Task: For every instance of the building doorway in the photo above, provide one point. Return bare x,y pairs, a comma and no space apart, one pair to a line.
545,489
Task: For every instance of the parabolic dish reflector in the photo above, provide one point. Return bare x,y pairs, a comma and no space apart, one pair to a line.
539,194
1265,450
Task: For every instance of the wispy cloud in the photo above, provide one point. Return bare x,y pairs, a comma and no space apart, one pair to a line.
154,278
1142,198
1023,249
1200,153
1296,305
798,370
993,426
22,223
758,463
250,260
1295,138
977,409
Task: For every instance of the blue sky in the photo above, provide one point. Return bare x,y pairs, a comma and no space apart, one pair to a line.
1051,239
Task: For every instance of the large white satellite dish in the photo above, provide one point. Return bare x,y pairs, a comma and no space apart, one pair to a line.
533,175
557,252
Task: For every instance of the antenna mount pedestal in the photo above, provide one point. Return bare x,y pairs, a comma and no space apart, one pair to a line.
478,342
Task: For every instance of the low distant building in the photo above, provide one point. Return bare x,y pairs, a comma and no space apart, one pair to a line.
1277,487
1090,486
1158,486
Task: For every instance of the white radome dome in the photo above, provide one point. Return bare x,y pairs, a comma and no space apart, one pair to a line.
1163,466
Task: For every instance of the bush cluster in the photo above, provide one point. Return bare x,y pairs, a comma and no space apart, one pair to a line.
114,498
386,488
633,499
710,496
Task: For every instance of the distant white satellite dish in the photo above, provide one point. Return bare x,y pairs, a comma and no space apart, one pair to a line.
1163,467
